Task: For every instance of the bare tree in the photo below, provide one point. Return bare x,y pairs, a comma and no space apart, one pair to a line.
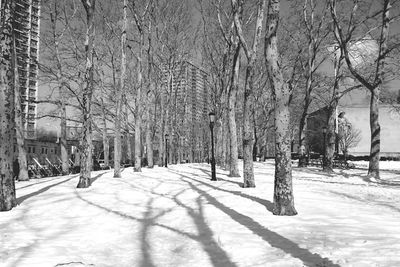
348,136
315,33
348,34
56,39
119,97
139,17
251,55
86,147
7,112
332,110
283,189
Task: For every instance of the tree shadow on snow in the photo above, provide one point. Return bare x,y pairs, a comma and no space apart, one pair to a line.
266,203
273,239
215,253
42,190
41,182
93,179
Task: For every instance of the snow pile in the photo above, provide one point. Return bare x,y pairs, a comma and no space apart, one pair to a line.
178,217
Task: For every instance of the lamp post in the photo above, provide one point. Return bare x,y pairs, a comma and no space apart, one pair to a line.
212,121
166,150
324,134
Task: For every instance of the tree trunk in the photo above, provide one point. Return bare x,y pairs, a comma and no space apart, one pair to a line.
129,147
233,162
255,144
248,172
374,86
106,146
248,106
227,145
283,190
220,143
7,183
63,111
138,118
86,147
63,136
373,169
106,149
302,135
149,141
138,143
331,134
19,130
128,137
117,137
161,136
218,140
119,97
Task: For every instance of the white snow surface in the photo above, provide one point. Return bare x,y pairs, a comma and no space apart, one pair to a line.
178,217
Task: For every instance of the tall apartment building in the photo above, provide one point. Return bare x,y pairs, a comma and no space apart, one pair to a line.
27,29
189,85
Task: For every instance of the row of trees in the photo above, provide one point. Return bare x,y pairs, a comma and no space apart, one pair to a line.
111,67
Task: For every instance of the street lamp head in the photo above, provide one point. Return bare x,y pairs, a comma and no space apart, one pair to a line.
324,130
212,117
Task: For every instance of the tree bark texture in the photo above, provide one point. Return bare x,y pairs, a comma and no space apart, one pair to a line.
302,134
149,140
373,168
86,147
219,143
19,128
227,145
138,118
7,113
161,135
248,139
138,143
283,189
233,156
119,98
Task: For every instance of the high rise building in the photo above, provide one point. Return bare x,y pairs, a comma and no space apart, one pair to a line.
189,88
27,29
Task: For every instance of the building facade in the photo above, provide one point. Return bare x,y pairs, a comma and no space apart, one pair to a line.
188,90
27,29
356,110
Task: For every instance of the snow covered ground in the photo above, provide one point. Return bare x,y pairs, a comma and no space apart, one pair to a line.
178,217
